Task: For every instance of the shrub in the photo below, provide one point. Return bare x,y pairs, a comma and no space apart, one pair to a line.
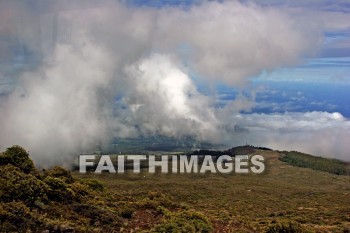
33,201
156,199
185,221
17,217
93,184
59,172
18,157
126,212
288,227
97,215
58,190
18,186
80,191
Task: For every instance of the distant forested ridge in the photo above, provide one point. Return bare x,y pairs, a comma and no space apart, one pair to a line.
238,150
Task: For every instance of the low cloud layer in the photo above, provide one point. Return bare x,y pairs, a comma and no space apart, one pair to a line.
111,70
318,133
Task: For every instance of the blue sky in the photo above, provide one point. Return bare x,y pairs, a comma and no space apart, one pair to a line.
323,81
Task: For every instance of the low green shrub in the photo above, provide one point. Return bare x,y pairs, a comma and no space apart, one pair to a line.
58,190
17,217
18,157
286,227
97,216
60,172
16,185
185,221
156,199
126,212
80,191
93,184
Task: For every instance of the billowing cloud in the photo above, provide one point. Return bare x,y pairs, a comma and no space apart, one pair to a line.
58,108
110,70
231,41
164,100
319,133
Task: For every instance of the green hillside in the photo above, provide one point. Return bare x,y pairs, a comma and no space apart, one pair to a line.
299,159
284,198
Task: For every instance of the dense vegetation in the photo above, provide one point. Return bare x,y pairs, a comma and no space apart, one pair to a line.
50,200
317,163
153,143
238,150
54,201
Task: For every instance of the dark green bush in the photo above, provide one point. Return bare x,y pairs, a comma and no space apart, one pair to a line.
59,172
156,199
17,217
16,185
58,190
126,212
93,184
97,215
80,191
185,221
18,157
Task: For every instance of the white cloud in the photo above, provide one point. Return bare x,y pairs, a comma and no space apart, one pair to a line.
167,101
318,133
232,41
67,104
58,109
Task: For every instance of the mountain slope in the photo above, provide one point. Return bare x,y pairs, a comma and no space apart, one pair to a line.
284,198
